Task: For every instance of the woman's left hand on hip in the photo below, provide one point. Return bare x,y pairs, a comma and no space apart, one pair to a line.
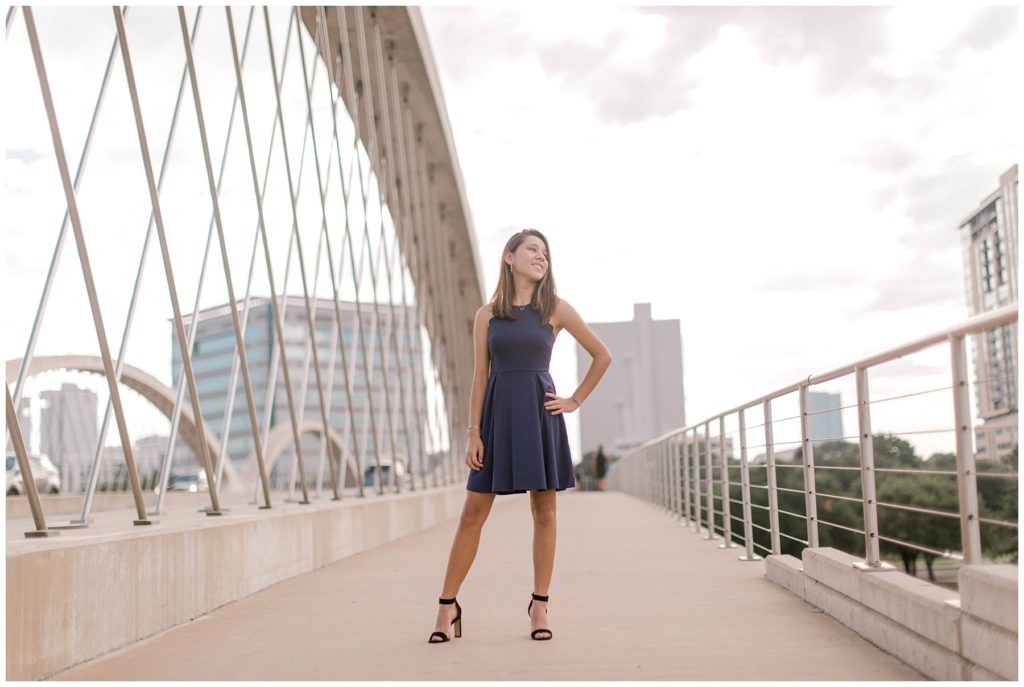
557,404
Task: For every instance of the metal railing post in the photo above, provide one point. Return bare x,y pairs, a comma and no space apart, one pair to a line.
685,450
696,481
656,468
677,496
641,479
966,479
664,475
867,470
670,500
652,462
655,452
810,498
773,494
652,466
748,538
726,513
650,475
710,481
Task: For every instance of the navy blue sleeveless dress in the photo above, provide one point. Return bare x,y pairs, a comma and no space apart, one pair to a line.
525,446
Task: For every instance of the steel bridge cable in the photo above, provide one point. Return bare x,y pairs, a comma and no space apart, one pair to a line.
323,184
72,203
222,243
278,325
26,360
192,330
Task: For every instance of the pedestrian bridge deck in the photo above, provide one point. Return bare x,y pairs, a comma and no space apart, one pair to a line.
635,595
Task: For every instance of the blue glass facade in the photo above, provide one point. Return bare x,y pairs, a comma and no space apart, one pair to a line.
213,354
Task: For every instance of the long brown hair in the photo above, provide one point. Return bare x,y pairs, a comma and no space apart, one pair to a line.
544,297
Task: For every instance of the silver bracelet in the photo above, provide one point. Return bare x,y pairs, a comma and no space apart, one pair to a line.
578,401
472,427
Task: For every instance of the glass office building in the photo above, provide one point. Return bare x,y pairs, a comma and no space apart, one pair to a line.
407,435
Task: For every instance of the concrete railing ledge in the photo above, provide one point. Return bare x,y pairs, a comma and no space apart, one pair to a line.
971,635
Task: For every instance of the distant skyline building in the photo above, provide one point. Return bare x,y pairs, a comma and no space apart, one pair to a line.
822,424
989,240
68,432
641,395
25,423
148,452
214,349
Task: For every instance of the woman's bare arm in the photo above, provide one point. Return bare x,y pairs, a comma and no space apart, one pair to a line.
481,370
570,320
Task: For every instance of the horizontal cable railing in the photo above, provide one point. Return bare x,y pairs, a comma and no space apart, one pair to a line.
897,498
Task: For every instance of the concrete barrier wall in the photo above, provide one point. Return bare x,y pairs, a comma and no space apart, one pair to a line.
970,635
72,599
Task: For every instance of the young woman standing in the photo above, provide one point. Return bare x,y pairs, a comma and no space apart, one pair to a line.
517,438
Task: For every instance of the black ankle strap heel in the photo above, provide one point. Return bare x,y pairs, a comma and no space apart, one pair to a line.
534,634
457,622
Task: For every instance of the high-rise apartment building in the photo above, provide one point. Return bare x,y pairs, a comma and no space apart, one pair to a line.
989,239
214,349
641,394
826,420
68,432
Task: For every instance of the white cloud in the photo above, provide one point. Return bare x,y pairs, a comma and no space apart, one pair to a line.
785,181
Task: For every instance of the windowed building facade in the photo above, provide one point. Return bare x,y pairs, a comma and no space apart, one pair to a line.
213,354
989,239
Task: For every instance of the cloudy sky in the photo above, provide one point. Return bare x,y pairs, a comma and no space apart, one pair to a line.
786,182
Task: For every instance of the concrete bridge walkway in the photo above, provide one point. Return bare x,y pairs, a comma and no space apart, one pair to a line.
634,596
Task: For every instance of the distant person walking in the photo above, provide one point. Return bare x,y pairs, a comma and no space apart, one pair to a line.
600,467
517,438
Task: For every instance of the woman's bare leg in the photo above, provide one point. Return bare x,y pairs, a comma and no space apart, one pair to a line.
542,504
464,547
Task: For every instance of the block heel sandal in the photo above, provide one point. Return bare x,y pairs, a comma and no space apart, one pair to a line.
457,623
534,634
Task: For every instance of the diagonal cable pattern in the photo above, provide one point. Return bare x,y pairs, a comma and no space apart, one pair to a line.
390,327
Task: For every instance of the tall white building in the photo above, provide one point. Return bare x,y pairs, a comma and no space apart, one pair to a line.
641,394
68,432
989,239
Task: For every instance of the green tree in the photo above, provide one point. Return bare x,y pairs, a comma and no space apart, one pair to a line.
997,500
892,452
934,492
